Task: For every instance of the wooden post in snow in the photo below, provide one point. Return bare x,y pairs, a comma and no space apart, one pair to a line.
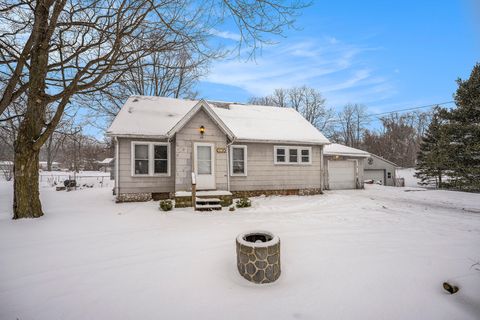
194,191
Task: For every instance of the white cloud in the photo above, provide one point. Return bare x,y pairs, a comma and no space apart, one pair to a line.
226,34
335,68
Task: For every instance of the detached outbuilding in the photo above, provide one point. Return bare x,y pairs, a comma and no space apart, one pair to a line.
343,167
380,170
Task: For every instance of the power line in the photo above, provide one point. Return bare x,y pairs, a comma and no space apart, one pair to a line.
409,109
400,110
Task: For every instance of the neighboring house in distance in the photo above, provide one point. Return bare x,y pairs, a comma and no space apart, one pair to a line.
106,165
43,165
243,150
344,167
380,170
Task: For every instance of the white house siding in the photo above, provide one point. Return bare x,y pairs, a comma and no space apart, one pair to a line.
263,174
154,184
185,139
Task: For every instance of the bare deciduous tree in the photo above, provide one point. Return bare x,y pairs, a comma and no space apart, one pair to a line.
351,124
308,101
54,50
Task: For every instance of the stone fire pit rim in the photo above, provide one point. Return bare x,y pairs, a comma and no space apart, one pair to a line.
275,239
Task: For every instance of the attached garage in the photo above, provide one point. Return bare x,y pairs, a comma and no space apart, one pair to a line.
377,175
343,167
341,174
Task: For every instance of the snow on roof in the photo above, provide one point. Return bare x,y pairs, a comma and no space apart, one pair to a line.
149,116
341,150
156,116
106,161
253,122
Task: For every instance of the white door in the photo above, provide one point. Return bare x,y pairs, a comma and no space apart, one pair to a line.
376,175
341,174
204,165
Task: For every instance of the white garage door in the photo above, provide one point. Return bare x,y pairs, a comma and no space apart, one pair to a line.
341,175
377,175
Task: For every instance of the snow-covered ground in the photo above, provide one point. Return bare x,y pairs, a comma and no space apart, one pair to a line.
408,175
379,253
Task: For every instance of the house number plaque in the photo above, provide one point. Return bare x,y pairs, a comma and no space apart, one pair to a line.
221,150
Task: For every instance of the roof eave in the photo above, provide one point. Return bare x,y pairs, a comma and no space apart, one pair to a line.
281,141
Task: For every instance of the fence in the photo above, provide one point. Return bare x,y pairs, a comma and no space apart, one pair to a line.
95,181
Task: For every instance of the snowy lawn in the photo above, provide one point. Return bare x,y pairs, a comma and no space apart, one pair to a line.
379,253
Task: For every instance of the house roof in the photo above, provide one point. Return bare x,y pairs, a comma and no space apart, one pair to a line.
383,159
336,149
144,116
106,161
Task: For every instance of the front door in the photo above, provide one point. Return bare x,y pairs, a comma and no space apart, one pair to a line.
204,165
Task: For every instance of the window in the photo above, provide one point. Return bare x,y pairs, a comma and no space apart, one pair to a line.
292,155
141,159
204,159
305,155
389,175
280,155
150,158
238,163
160,160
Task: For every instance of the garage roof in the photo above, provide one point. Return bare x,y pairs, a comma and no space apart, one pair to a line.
336,149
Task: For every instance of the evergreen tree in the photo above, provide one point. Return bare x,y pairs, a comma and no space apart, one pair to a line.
432,159
463,131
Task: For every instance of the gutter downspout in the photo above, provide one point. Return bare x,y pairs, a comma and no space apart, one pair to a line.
228,163
117,178
322,169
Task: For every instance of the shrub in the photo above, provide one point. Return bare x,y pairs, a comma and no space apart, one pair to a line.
166,205
243,203
232,208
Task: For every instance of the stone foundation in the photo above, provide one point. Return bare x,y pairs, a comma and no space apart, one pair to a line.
156,196
258,256
133,197
285,192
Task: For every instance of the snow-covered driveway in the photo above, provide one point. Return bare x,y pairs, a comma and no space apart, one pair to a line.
379,253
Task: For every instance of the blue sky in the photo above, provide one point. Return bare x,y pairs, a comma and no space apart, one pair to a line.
387,55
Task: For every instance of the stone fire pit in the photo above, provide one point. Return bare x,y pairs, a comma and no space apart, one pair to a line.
258,256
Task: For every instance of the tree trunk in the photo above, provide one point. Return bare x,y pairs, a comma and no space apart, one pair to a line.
49,151
26,198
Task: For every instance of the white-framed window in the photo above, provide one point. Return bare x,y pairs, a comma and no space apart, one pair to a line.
292,155
238,160
150,158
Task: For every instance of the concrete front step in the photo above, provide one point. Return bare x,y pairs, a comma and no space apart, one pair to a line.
208,207
184,198
203,204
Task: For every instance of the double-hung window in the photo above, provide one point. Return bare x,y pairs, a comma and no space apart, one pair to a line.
238,160
292,155
150,158
141,159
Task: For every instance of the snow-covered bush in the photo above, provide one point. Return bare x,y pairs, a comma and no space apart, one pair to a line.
243,203
166,205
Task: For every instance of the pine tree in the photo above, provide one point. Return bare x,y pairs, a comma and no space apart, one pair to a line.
432,159
463,131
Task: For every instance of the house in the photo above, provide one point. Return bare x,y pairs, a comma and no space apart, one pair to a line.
344,167
380,170
231,149
43,165
106,164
